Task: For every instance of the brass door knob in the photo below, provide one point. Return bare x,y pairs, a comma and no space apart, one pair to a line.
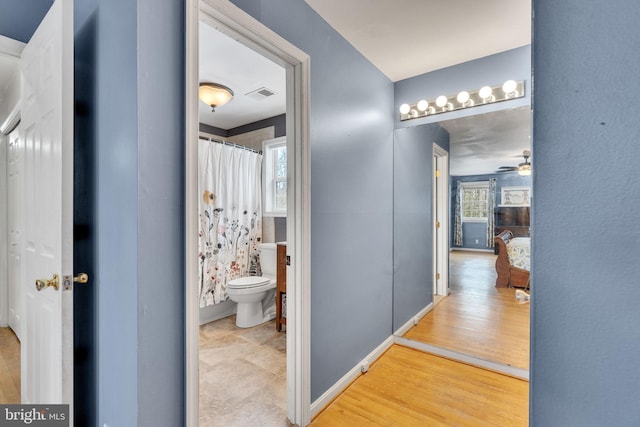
44,283
81,278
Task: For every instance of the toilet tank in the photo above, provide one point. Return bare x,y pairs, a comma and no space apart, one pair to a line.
268,259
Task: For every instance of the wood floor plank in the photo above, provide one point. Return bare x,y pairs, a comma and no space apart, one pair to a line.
407,387
477,318
9,367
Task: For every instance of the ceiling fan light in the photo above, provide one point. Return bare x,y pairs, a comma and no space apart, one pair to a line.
525,170
214,94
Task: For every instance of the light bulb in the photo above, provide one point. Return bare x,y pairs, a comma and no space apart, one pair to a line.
423,105
463,97
485,92
509,87
525,171
404,109
441,101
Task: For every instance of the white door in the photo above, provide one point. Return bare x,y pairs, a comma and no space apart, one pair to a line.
14,222
47,126
441,226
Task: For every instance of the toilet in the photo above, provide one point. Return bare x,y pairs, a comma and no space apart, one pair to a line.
255,295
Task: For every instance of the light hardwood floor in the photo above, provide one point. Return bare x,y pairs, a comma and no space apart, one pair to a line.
477,318
9,367
407,387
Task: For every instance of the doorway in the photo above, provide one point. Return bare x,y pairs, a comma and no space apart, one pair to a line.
11,312
238,25
441,223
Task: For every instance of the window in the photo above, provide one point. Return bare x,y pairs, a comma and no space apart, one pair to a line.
275,176
475,199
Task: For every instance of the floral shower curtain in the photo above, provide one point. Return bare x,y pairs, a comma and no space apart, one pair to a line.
491,204
230,213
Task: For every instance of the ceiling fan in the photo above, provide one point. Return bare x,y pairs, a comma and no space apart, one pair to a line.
523,168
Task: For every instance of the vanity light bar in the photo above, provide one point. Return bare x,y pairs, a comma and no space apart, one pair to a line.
511,89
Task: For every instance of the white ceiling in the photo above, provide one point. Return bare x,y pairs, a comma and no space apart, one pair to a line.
405,38
230,63
482,143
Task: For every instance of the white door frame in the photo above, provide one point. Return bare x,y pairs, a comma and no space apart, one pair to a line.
231,20
441,214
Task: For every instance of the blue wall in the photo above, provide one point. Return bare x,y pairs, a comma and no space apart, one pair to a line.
351,192
413,218
138,200
585,363
472,231
491,70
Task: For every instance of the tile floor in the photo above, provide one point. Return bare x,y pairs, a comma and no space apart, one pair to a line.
242,375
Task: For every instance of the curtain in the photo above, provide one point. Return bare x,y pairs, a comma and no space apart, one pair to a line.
491,204
230,214
457,227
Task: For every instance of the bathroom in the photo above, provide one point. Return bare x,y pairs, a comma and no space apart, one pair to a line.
242,222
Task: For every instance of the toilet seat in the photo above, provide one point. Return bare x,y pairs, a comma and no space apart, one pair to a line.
248,282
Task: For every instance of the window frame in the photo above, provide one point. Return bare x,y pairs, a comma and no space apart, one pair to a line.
469,186
269,178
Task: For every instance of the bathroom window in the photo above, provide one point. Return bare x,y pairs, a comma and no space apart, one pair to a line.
275,177
475,200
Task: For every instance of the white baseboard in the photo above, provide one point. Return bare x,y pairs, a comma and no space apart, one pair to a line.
414,320
328,396
344,382
217,311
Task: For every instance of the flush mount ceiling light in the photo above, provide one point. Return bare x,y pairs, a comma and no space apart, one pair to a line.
214,94
511,89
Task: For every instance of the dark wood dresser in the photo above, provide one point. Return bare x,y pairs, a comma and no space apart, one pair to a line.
513,218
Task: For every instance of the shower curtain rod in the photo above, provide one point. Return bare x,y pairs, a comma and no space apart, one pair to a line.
223,142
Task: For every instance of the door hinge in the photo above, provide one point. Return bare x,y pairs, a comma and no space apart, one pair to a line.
288,259
437,276
437,224
437,173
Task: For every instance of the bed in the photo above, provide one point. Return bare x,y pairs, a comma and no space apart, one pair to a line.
513,262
